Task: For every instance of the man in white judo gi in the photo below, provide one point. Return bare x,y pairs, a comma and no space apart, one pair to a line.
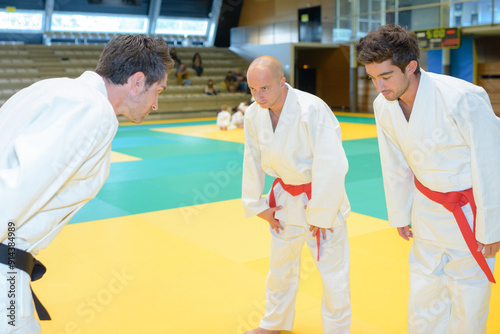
439,147
294,137
55,156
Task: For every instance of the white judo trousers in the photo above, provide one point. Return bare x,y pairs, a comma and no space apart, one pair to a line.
283,278
449,291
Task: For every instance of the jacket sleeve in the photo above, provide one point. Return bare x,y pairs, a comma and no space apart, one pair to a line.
329,168
480,128
45,158
253,176
399,185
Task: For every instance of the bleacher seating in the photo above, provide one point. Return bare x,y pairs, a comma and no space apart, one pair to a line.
99,38
22,65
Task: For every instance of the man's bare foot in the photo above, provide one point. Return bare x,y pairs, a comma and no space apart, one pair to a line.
262,331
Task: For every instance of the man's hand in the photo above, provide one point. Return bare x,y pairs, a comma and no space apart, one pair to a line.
269,216
405,232
315,230
490,250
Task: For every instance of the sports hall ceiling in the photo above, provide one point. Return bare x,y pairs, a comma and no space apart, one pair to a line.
201,9
170,8
186,8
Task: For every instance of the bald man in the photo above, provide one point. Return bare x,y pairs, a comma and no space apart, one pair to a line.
294,137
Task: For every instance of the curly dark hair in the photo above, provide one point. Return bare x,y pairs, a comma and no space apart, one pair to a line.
125,55
389,42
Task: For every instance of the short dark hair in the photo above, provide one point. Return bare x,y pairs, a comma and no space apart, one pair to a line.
389,42
125,55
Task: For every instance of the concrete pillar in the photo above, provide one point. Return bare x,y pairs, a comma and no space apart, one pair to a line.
353,79
47,22
154,13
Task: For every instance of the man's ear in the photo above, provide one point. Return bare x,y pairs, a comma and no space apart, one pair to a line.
412,66
137,81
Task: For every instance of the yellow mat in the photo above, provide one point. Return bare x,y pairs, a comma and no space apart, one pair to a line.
210,131
204,271
350,131
120,157
169,121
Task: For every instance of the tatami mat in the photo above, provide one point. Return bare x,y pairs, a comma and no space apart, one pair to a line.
164,247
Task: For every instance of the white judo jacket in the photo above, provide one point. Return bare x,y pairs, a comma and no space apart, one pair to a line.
305,147
55,147
450,143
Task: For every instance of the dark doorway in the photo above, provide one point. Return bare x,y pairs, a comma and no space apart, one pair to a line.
324,72
310,24
306,80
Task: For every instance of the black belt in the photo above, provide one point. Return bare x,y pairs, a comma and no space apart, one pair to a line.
26,262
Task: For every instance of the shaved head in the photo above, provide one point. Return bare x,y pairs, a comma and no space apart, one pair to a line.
270,64
266,81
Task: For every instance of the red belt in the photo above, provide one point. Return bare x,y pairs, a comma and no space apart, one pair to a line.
453,202
294,191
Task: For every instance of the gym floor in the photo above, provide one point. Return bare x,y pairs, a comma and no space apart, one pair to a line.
165,248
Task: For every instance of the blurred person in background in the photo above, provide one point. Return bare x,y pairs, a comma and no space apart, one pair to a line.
210,88
223,117
197,64
231,82
182,75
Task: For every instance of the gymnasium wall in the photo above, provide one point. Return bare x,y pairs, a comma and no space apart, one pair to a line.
283,52
267,11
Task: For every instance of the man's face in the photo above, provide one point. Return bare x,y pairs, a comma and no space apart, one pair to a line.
265,88
388,79
140,104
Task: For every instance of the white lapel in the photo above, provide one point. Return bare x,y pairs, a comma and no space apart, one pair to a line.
421,113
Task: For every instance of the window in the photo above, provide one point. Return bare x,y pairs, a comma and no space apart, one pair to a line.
181,27
99,23
21,20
